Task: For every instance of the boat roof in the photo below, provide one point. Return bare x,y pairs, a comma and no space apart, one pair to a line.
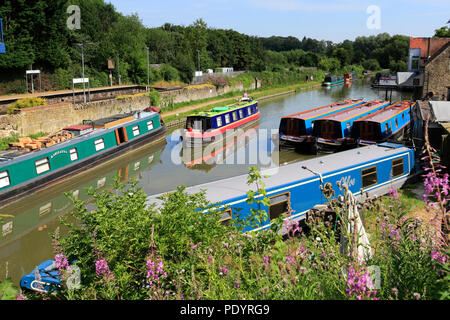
230,188
355,111
8,157
218,110
317,112
387,112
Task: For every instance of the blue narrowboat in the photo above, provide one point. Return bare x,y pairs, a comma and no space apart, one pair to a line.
211,126
95,142
295,188
331,81
292,190
388,123
296,129
333,132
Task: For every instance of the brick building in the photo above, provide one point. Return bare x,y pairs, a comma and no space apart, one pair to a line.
430,57
437,73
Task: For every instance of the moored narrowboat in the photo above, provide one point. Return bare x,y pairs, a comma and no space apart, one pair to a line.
295,188
23,172
296,129
204,128
333,132
292,190
388,123
331,81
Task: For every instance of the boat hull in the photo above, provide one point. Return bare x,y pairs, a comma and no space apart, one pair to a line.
302,143
191,139
36,184
331,145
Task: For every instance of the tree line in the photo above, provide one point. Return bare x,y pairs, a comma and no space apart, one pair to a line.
36,35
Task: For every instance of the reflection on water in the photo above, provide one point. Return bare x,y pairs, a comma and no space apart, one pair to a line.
25,240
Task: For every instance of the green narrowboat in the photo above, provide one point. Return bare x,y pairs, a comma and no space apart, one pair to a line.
93,143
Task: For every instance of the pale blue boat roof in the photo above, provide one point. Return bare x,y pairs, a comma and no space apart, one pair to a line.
222,190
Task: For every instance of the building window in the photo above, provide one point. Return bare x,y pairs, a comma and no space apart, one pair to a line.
234,116
227,118
241,113
225,217
73,154
219,121
397,167
4,179
369,177
279,205
150,125
42,165
136,131
99,144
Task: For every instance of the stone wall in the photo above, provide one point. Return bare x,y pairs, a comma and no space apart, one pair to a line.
437,74
51,118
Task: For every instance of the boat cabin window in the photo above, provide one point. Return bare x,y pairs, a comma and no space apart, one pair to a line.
99,144
234,116
397,167
249,111
42,165
73,154
4,179
225,217
227,118
403,116
396,123
387,127
241,113
136,131
369,177
150,125
279,205
219,121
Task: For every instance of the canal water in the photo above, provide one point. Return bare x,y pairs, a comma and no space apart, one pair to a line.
25,236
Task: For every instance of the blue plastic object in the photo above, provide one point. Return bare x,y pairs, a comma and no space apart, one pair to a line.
44,280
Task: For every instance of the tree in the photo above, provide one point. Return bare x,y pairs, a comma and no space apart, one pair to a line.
443,32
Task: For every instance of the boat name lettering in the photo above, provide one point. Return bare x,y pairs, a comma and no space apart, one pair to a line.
57,153
348,181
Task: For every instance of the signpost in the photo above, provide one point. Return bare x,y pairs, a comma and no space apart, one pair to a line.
31,72
83,81
111,67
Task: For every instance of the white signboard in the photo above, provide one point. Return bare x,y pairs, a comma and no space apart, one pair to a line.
80,80
33,71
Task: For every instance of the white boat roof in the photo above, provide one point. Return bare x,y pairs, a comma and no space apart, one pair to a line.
221,190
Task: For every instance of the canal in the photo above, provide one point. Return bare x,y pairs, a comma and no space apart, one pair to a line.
25,236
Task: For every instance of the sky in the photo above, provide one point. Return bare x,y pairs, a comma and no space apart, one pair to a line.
321,19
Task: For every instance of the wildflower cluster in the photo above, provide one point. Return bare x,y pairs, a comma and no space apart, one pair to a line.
102,271
155,271
360,284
